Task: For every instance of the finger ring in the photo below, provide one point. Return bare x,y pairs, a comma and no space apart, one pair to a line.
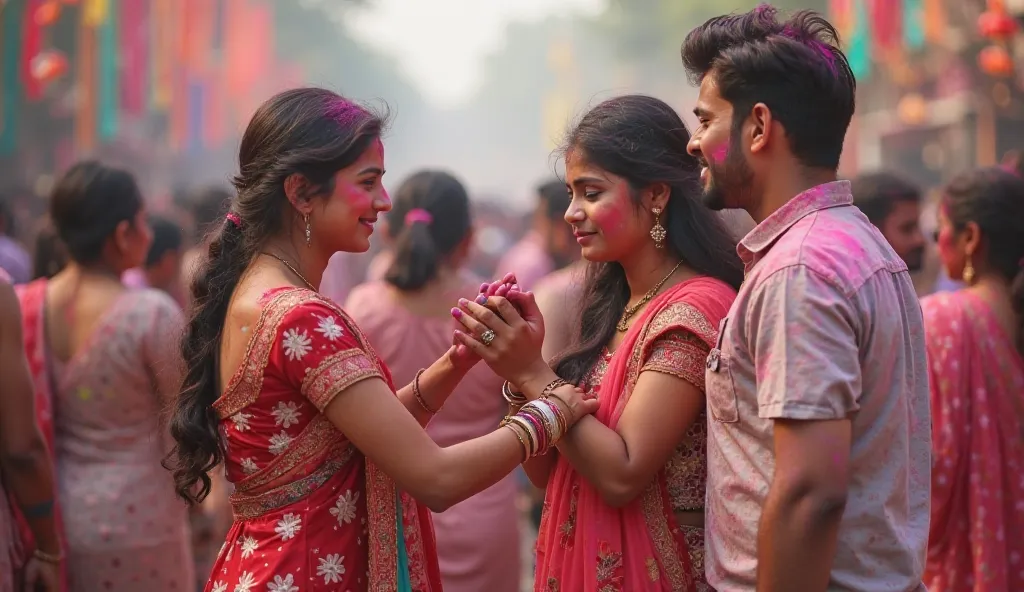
487,337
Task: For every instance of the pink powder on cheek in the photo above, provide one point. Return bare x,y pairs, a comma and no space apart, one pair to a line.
718,155
610,217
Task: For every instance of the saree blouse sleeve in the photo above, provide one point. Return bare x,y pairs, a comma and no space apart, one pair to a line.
678,344
322,352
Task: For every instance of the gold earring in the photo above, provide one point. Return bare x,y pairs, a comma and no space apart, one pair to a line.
968,274
309,231
658,232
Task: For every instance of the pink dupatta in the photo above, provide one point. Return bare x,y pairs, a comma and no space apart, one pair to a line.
588,546
32,298
977,385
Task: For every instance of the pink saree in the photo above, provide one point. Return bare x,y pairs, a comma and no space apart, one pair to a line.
586,545
977,381
32,298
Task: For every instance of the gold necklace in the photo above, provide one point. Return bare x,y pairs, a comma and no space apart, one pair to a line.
631,310
293,270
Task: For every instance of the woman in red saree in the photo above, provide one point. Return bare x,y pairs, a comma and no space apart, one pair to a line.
333,473
975,343
623,507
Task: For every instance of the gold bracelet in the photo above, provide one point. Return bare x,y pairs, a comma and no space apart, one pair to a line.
516,430
419,397
48,557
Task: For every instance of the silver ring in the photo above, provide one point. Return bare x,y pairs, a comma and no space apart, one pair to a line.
487,337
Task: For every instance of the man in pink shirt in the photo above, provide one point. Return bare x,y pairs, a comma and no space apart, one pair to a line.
549,245
819,425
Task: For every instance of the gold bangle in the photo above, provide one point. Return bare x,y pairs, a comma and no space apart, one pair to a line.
419,397
515,430
48,557
511,396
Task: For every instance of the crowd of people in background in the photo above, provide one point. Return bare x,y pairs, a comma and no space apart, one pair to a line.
224,396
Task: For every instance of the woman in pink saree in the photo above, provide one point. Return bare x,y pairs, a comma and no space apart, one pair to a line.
406,317
623,508
102,372
334,476
975,340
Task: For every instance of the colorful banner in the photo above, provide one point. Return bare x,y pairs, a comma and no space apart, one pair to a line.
10,90
107,89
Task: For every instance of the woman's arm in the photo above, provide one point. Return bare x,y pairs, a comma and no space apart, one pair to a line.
436,384
380,426
23,455
620,463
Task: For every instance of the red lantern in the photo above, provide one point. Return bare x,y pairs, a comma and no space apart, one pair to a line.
996,61
48,66
996,24
47,13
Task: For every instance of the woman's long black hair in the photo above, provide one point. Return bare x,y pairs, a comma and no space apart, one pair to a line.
308,131
643,140
993,198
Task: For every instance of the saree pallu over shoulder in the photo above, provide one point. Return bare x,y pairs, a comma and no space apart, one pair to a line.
32,300
316,346
586,545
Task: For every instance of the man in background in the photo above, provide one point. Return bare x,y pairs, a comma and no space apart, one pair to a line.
893,205
548,245
162,269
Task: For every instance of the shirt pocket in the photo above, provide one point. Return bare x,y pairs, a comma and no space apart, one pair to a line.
718,382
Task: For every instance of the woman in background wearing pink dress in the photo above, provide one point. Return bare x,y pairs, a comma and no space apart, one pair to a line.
407,318
103,363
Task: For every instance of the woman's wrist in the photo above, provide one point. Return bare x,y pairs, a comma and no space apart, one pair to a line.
535,379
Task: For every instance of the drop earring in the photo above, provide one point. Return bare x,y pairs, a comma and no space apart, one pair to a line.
968,274
658,232
309,231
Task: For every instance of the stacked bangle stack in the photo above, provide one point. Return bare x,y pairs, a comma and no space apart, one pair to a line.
538,424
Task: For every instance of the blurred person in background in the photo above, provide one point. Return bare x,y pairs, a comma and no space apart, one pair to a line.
49,255
14,259
893,205
546,246
162,267
407,317
334,476
975,340
30,556
625,490
103,369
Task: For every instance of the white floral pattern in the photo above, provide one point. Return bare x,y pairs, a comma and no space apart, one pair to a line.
331,568
288,526
285,584
345,508
249,466
329,328
286,413
296,344
245,582
241,420
249,546
219,587
279,443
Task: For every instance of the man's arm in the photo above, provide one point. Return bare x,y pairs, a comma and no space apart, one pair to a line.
809,383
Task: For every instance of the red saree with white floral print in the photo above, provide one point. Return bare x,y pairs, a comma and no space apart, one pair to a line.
585,545
311,512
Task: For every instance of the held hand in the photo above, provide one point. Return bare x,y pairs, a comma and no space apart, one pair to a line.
509,344
574,405
41,576
461,357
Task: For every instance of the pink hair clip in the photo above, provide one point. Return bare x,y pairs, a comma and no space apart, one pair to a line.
234,219
418,215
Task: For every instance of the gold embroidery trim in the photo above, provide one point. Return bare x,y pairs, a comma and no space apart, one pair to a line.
247,507
318,434
335,373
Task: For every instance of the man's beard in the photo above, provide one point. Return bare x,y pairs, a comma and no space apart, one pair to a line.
727,182
915,260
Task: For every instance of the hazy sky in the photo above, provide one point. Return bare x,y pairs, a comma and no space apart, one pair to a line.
441,44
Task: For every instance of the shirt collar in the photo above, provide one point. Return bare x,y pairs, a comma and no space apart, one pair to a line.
820,197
